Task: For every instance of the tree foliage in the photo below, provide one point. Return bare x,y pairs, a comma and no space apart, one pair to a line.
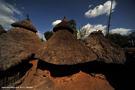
122,40
72,22
48,34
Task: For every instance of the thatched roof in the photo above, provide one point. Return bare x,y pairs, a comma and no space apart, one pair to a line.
25,24
16,45
2,30
106,51
63,25
64,48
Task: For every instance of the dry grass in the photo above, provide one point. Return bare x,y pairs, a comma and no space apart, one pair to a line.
25,24
64,48
107,51
16,45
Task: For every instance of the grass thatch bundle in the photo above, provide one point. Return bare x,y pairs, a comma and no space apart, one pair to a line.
64,48
63,25
106,51
16,45
25,24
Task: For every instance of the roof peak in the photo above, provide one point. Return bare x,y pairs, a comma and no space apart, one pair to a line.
25,24
63,25
64,20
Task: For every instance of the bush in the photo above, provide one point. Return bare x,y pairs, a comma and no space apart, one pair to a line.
48,34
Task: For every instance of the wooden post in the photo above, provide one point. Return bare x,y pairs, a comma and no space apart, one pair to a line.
109,19
28,17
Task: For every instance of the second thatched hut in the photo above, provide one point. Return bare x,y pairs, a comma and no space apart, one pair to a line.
106,51
64,49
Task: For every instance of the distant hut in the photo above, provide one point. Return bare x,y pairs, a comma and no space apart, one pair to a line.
106,51
26,24
63,25
63,48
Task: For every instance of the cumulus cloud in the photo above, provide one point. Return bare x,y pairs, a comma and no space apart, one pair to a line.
56,22
122,31
100,10
90,28
7,12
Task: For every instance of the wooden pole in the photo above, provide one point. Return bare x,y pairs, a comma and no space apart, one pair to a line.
109,19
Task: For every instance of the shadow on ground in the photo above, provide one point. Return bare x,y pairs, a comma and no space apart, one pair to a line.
119,76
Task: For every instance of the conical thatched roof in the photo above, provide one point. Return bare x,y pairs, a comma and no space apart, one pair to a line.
25,24
106,51
63,25
64,48
16,45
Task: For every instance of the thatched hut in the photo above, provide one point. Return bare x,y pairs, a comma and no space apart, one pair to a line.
64,49
63,25
25,24
17,48
106,51
18,44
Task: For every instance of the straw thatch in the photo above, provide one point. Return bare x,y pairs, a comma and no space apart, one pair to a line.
64,48
106,51
16,45
2,30
63,25
25,24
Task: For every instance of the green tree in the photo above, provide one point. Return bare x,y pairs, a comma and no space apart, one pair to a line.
121,40
132,35
72,22
132,39
48,34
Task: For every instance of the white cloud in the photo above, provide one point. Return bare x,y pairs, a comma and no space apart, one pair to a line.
90,6
41,36
56,22
7,12
100,9
90,28
122,31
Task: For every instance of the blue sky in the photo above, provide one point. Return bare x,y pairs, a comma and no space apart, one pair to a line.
44,12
